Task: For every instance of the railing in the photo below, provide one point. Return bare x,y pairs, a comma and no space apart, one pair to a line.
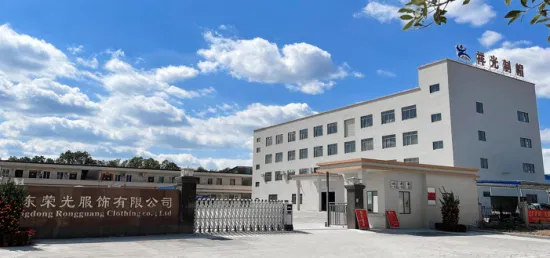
338,213
490,214
215,215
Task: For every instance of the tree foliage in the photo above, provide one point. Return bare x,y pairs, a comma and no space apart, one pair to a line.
423,13
450,208
12,199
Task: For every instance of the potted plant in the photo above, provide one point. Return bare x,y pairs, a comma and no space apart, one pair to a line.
450,213
12,199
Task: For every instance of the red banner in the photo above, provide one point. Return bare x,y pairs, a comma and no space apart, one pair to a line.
393,221
538,216
431,196
362,218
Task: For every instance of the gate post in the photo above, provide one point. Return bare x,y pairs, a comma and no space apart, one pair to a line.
188,199
355,201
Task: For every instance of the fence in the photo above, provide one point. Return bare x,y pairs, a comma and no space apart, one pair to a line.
338,213
214,215
490,214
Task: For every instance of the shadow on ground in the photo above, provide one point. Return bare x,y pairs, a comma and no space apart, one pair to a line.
429,232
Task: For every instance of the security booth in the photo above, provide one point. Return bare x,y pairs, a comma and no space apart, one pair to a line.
410,191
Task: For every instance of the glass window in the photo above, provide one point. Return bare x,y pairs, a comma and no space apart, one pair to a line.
366,121
291,136
272,197
484,163
528,168
290,174
367,144
437,145
303,171
523,117
349,147
44,174
388,117
408,112
257,166
267,176
257,184
118,178
33,174
268,158
436,117
317,131
258,150
526,143
151,179
19,173
410,138
278,176
349,127
291,155
531,198
479,107
128,178
278,139
332,149
303,153
388,141
434,88
72,176
412,160
161,179
278,157
372,201
332,128
317,151
481,136
210,181
268,141
303,134
404,202
258,139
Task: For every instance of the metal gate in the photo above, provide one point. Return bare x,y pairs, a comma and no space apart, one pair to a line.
338,213
213,215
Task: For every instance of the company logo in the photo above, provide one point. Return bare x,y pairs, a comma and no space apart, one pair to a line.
461,53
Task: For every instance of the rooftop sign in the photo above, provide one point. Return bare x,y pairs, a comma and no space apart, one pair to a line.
494,64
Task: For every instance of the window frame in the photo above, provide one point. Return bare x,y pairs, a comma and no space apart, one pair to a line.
410,138
278,175
271,199
415,160
479,108
300,156
529,168
291,137
481,136
389,138
278,157
528,143
268,176
279,139
268,141
403,205
289,156
366,121
335,149
332,128
408,112
434,88
436,116
351,145
388,116
484,163
366,145
268,158
318,131
219,181
370,202
523,115
303,134
316,150
434,147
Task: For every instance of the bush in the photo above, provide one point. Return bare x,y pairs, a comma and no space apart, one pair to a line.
12,199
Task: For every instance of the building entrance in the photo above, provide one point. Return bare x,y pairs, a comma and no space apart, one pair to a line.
331,198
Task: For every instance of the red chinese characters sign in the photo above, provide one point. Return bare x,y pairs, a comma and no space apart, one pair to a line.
362,218
393,221
493,64
536,216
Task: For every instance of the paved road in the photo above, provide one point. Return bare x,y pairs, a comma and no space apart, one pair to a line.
312,241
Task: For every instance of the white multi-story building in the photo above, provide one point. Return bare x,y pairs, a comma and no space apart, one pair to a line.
460,115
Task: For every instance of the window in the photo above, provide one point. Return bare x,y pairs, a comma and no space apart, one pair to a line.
258,150
257,184
278,139
268,141
303,171
372,201
72,176
290,174
33,174
434,88
44,174
484,163
481,136
404,202
151,179
258,139
118,178
437,145
408,112
349,147
366,121
59,175
479,107
486,194
436,117
232,181
107,177
332,128
388,117
210,181
318,131
5,173
161,179
19,173
278,176
412,160
317,151
218,181
303,134
410,138
528,168
367,144
291,136
388,141
525,143
294,199
291,155
303,153
268,158
531,198
349,127
523,117
332,149
128,178
279,157
272,197
267,176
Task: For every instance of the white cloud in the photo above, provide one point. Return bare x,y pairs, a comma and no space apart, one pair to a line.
489,38
385,73
23,56
188,160
545,136
91,63
515,44
175,73
301,66
358,75
476,13
76,49
535,64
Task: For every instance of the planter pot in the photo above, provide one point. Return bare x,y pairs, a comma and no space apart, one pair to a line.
451,228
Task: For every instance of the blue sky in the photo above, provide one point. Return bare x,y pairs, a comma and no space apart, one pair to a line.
190,80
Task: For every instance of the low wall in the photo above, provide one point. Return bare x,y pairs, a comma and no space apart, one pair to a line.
68,212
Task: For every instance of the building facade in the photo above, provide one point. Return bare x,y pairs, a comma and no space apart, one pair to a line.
233,184
459,116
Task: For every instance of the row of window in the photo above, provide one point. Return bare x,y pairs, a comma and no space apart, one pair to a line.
210,181
523,142
527,167
74,176
522,116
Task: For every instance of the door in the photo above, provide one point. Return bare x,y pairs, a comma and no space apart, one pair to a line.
331,198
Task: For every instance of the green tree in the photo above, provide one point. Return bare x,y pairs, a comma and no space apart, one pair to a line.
450,208
38,159
201,169
25,159
12,199
113,163
50,161
13,158
151,163
135,162
76,158
423,13
167,165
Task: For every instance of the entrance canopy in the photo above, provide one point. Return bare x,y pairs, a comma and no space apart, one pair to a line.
515,184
